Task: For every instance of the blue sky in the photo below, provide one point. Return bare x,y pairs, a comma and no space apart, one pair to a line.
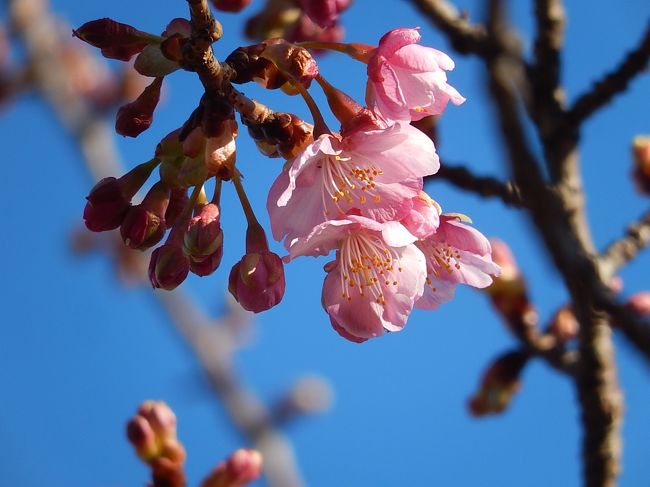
78,351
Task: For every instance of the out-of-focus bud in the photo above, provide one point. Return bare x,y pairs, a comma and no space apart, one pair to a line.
257,280
641,168
241,468
167,473
204,235
294,61
110,198
161,419
136,117
169,266
640,302
564,325
142,437
230,5
144,224
274,20
116,40
499,384
324,13
306,30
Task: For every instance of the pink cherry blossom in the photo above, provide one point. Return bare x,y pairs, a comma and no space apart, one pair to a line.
455,254
376,278
424,217
375,173
407,81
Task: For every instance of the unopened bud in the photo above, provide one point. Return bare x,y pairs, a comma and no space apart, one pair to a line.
500,382
351,114
564,325
324,13
640,302
230,5
294,61
641,168
306,30
116,40
242,467
136,117
257,281
204,235
169,266
161,418
142,437
144,224
110,198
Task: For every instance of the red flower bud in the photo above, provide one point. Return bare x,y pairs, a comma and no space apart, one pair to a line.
204,235
242,467
257,281
144,224
169,266
230,5
110,198
136,117
324,13
116,40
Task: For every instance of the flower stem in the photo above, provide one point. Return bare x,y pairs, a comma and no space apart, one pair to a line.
360,52
320,127
243,199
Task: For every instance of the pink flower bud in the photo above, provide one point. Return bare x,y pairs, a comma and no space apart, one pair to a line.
204,235
324,13
230,5
142,437
144,224
640,302
110,198
242,467
257,281
206,265
136,117
160,417
169,266
116,40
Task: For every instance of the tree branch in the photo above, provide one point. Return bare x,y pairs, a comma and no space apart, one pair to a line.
623,250
612,83
485,186
466,38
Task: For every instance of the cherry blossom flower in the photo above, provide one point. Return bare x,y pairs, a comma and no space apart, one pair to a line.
455,254
407,81
376,278
374,172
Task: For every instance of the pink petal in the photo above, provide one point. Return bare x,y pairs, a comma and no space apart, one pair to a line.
397,39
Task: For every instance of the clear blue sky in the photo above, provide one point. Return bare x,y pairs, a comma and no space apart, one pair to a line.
78,352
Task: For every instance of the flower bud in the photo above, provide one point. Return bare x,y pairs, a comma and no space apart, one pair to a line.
249,66
640,302
273,20
144,224
169,266
242,467
116,40
564,325
499,384
230,5
204,235
324,13
206,265
641,168
161,418
136,117
110,198
142,437
295,62
306,30
257,281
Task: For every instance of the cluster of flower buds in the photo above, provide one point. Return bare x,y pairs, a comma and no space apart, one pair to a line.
357,191
298,20
499,384
152,432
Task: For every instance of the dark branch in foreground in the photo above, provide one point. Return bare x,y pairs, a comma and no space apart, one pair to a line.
612,83
485,186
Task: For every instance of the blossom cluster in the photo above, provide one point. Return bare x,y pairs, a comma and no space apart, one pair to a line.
357,192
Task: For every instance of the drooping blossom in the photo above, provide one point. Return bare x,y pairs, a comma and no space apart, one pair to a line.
455,254
407,81
374,172
376,278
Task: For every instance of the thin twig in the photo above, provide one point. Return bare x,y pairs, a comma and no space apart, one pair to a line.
485,186
613,83
623,250
465,37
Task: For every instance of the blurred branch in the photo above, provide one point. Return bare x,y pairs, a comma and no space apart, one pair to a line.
485,186
36,27
465,37
623,250
613,83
